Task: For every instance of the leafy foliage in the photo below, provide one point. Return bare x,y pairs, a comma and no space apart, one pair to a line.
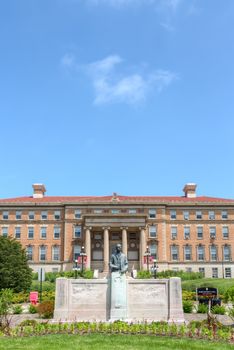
6,296
202,309
17,309
218,310
46,309
14,270
187,306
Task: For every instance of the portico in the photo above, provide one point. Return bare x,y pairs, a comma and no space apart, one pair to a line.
103,233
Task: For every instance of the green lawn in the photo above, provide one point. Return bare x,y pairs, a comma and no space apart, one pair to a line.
221,284
106,342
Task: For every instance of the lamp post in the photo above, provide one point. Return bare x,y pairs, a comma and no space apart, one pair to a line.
76,268
83,255
147,255
154,268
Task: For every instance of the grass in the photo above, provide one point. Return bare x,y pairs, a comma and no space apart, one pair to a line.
106,342
220,283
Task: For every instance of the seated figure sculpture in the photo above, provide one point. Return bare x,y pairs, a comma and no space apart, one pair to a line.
119,261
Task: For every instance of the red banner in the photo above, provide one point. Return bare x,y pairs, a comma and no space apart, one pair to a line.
79,260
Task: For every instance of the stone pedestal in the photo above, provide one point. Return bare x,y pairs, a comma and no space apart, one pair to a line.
118,300
176,313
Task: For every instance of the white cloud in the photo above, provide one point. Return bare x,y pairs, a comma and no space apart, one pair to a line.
114,86
114,81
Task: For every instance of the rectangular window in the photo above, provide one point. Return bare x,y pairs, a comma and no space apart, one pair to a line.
152,231
18,215
213,253
115,211
173,214
224,215
186,232
228,272
132,211
17,232
98,211
187,253
211,215
201,270
4,231
31,215
198,215
56,253
225,232
5,215
174,252
43,232
57,215
153,250
200,253
186,215
77,232
152,213
77,214
173,232
188,269
215,272
199,232
44,215
42,253
226,253
30,232
76,252
212,232
29,252
57,232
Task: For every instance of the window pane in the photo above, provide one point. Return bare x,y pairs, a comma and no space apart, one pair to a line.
199,232
43,232
77,232
174,252
152,231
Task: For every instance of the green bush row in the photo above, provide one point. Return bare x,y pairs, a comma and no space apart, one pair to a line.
185,276
193,330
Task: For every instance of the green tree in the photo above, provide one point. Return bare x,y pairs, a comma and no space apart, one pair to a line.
14,270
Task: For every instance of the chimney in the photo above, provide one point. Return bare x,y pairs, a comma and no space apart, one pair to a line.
190,190
38,190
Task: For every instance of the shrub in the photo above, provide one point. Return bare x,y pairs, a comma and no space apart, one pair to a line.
46,309
188,306
143,274
88,274
17,309
6,296
28,323
32,309
14,270
202,309
219,310
19,298
188,295
229,294
46,286
182,274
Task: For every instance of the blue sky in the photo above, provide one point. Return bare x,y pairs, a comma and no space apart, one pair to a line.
127,96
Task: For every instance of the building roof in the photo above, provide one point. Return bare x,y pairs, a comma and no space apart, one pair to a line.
115,199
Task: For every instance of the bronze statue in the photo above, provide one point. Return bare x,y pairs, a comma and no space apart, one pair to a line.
119,261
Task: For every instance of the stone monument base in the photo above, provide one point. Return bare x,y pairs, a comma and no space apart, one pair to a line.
141,300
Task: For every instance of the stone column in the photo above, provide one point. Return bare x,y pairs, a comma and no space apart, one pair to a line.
124,241
106,249
88,246
142,247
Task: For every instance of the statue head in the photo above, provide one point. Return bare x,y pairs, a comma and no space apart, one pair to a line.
118,248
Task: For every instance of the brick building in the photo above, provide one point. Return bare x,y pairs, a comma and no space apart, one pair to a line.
187,232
